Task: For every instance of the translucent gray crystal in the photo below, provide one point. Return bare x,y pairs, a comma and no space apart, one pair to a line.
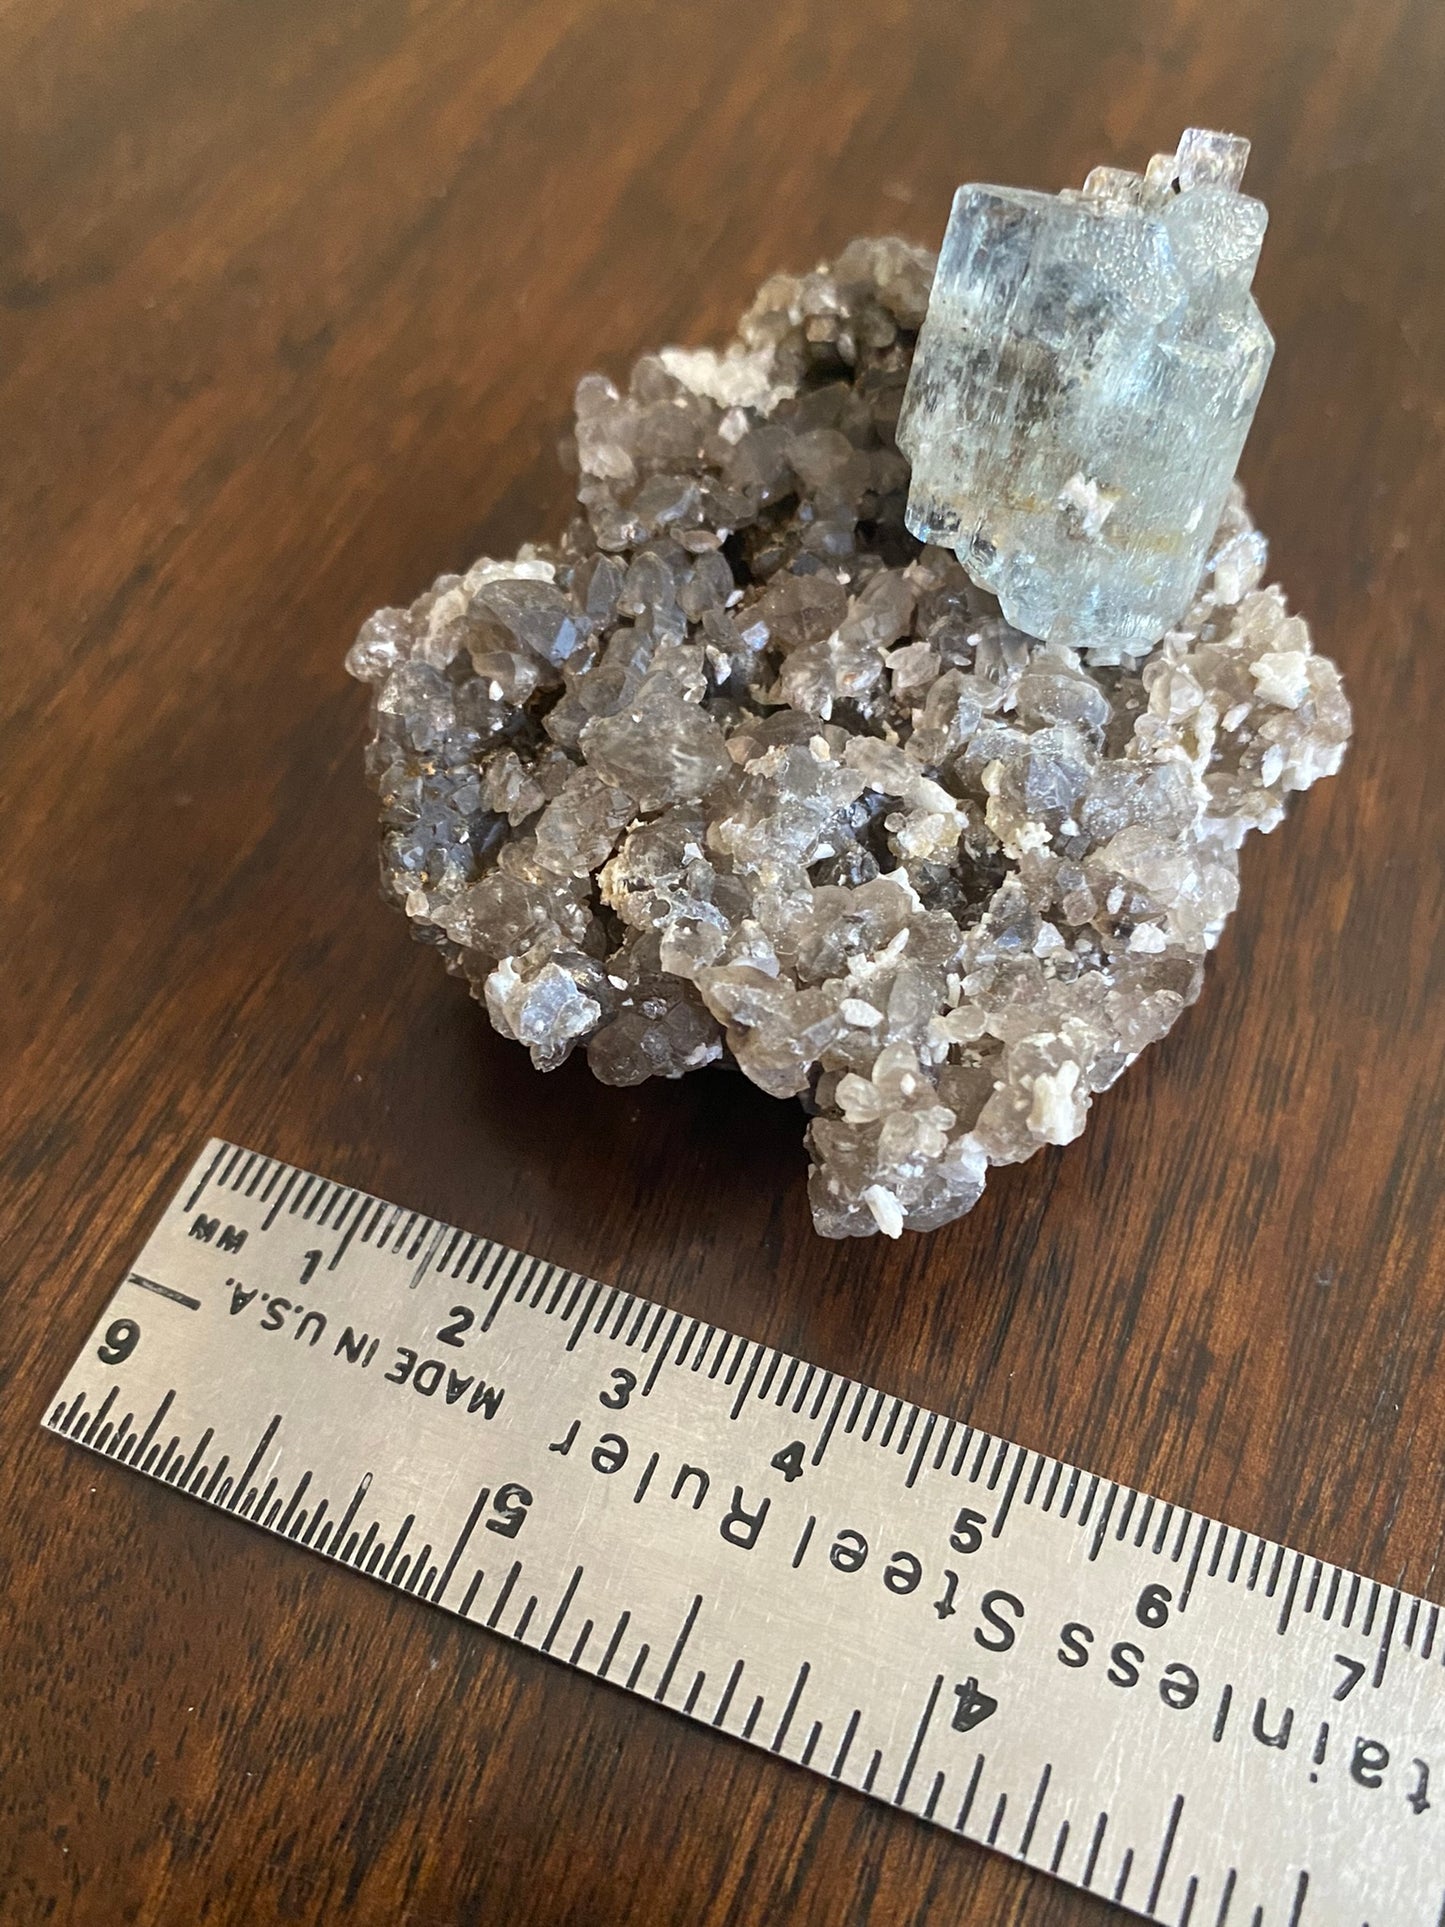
739,771
1086,376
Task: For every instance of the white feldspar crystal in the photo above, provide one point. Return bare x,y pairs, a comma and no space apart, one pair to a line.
1084,381
741,771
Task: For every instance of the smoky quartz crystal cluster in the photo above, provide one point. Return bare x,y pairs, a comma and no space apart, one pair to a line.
739,769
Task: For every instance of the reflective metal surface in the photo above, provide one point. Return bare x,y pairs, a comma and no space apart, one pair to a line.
1186,1718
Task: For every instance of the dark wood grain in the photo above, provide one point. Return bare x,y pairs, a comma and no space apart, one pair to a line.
292,298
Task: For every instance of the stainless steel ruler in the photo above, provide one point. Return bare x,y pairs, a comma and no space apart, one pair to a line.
1195,1722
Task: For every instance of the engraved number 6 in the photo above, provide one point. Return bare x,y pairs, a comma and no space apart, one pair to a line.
122,1336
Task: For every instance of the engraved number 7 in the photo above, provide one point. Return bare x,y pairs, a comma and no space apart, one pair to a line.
1354,1673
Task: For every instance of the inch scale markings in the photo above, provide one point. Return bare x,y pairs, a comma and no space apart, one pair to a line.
1204,1726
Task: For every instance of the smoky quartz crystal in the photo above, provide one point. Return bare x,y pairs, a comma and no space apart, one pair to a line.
739,770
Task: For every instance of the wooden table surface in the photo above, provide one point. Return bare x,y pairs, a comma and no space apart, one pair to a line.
292,299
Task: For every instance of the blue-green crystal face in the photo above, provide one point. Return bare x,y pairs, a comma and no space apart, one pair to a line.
1083,384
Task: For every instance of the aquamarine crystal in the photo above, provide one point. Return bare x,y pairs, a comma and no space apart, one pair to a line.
1083,385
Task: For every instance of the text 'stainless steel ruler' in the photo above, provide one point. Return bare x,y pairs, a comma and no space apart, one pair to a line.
1188,1719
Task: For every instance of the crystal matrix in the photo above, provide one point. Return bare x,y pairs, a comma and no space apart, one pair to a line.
740,770
1084,382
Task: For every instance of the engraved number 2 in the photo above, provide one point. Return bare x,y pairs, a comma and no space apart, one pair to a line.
462,1320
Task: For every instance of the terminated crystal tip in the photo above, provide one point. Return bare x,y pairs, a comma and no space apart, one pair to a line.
1083,384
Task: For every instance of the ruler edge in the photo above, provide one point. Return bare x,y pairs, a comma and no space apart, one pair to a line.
183,1197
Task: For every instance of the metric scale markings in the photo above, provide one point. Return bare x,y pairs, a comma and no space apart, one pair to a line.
1198,1723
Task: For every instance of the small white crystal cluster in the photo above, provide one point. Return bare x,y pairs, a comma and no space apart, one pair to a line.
739,769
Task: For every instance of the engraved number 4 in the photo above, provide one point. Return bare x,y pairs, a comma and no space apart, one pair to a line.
974,1706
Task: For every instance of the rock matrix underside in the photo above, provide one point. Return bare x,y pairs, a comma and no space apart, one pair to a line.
739,770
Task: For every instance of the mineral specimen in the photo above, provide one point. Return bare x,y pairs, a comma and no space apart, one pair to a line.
738,769
1083,385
